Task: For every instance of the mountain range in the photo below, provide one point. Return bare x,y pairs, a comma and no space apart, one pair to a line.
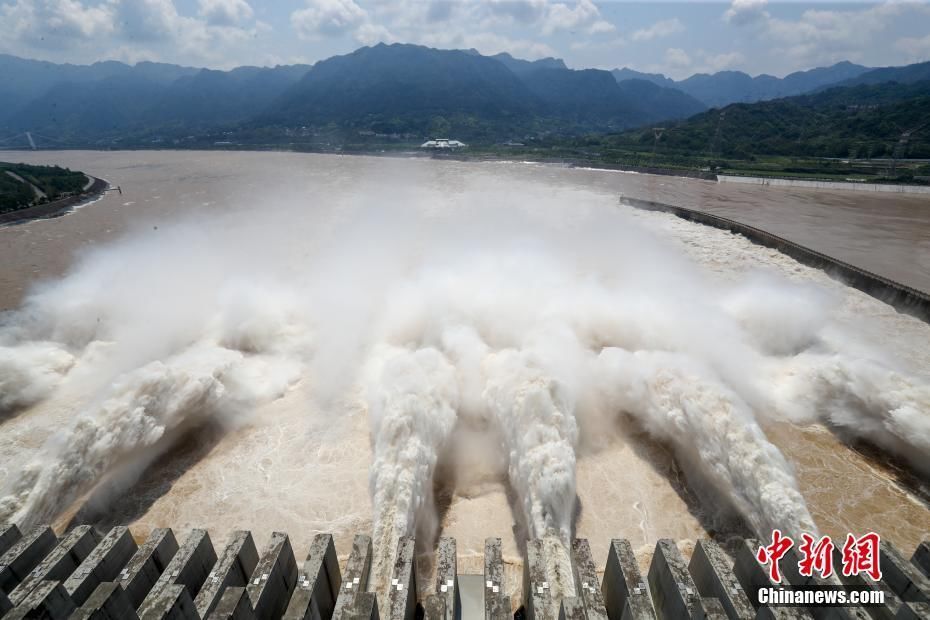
862,117
388,89
725,87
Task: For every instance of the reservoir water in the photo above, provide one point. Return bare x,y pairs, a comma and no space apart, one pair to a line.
318,343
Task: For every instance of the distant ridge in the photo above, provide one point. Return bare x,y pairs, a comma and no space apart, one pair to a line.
399,91
725,87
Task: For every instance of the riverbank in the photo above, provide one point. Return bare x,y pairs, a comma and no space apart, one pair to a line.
56,208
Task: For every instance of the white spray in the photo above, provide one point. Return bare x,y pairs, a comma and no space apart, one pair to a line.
543,310
412,399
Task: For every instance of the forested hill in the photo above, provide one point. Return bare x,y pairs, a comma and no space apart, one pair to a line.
869,120
392,89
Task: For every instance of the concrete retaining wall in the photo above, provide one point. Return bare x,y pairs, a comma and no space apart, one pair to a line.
167,578
903,298
850,186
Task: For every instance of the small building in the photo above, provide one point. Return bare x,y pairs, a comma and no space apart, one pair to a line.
442,143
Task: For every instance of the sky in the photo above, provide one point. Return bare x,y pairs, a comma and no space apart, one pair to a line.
674,38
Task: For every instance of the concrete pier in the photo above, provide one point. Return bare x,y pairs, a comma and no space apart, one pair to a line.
673,591
714,578
9,536
48,600
163,576
493,576
447,583
894,607
752,576
711,609
354,579
189,568
921,558
233,568
434,608
173,602
103,564
274,578
402,597
366,607
60,563
107,602
318,583
25,555
625,593
903,577
233,605
791,571
572,608
537,596
151,559
586,582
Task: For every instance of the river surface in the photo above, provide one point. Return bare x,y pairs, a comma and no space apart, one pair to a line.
289,467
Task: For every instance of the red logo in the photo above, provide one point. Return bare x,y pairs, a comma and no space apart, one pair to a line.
817,556
860,555
774,552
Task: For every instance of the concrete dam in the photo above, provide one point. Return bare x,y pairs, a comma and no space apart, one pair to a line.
84,575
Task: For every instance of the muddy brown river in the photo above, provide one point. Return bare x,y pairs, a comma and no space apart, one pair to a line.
299,462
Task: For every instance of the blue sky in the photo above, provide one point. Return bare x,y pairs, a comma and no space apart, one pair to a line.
675,38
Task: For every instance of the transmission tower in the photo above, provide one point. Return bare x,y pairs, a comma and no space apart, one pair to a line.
712,147
901,147
657,132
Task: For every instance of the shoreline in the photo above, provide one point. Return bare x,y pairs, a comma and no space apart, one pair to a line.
56,208
571,162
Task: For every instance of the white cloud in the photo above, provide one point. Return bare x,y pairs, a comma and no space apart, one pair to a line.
677,58
659,29
917,48
129,30
487,43
584,16
821,37
53,23
711,63
746,12
225,12
487,25
330,18
678,64
519,11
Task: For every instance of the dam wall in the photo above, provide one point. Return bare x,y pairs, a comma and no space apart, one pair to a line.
88,575
901,297
851,186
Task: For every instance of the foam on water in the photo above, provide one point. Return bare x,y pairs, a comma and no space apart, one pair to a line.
537,318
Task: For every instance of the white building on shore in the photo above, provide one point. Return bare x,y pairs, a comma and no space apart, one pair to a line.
442,143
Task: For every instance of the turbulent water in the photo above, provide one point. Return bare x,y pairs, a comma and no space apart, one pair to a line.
479,328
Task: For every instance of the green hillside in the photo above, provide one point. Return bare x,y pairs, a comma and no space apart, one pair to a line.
861,121
18,180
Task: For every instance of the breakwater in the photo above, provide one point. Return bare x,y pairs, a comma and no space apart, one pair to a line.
903,298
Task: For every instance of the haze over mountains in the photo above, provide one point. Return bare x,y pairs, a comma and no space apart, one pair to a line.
725,87
388,89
